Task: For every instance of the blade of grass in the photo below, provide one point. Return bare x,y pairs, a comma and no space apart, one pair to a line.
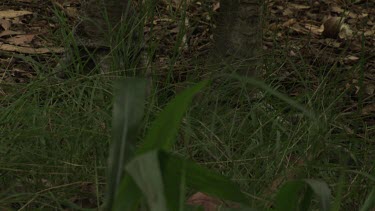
265,87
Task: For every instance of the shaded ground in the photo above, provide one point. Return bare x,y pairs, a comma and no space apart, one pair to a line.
27,29
293,30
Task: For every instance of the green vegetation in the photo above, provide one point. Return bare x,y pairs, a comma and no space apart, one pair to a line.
273,139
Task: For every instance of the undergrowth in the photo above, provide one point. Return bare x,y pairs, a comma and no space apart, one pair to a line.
56,131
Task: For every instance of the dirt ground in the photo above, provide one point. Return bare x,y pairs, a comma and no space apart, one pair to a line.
310,30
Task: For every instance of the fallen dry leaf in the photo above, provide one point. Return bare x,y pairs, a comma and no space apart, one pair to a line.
10,32
299,29
345,32
72,12
370,89
352,58
22,40
176,3
315,29
287,12
5,24
216,6
299,6
369,109
369,33
289,22
207,202
29,50
14,13
337,9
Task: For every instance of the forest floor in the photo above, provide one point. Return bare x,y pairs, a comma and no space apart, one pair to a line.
53,132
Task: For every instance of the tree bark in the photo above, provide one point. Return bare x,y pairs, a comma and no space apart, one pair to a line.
239,33
237,38
100,18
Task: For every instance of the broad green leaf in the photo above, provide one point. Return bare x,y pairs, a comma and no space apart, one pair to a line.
201,179
287,199
237,209
322,192
160,136
193,208
288,195
162,189
164,183
370,201
163,131
128,111
306,200
339,193
174,178
128,195
146,173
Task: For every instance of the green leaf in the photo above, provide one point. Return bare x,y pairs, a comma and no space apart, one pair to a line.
306,200
339,193
161,178
174,178
146,173
237,209
160,136
164,129
128,111
200,178
158,185
193,208
370,201
289,194
322,191
128,196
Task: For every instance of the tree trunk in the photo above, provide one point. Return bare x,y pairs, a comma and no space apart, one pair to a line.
239,33
237,39
100,18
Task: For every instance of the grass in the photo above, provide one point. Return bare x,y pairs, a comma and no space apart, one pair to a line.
55,133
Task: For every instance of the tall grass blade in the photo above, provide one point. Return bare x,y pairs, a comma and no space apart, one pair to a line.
268,89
